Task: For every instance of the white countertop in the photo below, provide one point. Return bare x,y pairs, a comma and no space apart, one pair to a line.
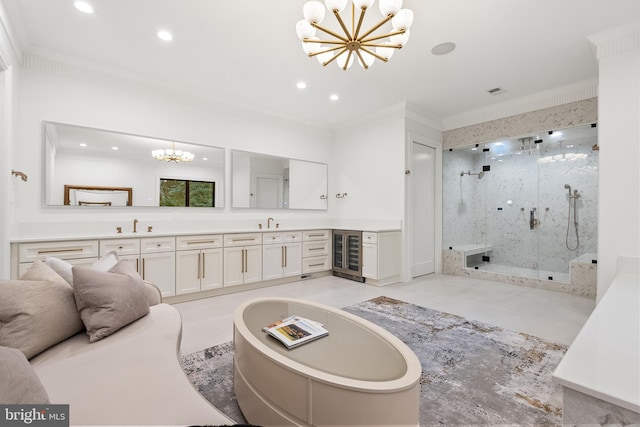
604,359
144,233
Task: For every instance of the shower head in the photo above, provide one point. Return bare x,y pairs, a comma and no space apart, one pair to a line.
480,174
567,186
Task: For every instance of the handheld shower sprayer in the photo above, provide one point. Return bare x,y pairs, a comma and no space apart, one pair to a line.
573,199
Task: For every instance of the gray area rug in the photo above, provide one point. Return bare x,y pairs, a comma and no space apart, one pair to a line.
473,373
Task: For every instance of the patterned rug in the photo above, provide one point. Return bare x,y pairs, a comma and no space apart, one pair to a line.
473,373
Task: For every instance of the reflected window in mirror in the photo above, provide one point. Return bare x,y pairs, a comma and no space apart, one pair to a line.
187,193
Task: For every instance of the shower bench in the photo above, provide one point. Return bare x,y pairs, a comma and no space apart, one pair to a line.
472,253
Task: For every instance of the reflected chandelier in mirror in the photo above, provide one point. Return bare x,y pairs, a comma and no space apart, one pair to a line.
103,168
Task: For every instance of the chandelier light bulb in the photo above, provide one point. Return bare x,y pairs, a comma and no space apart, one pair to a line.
313,12
324,57
402,20
342,60
368,60
359,4
312,47
385,52
390,7
401,39
304,30
338,5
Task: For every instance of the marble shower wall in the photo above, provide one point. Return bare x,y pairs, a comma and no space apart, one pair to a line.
523,176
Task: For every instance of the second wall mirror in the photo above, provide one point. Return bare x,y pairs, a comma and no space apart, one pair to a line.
262,181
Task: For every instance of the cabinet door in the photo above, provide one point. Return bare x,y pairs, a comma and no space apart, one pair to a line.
272,261
233,266
211,274
160,269
134,260
370,260
188,270
253,264
293,260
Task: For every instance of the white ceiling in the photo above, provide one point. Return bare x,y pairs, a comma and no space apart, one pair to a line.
247,52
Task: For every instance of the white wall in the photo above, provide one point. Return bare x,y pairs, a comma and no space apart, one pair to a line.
66,94
619,139
368,165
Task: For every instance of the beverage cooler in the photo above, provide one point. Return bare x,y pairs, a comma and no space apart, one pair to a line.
347,254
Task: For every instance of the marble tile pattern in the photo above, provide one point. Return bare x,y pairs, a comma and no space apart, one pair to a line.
558,117
582,409
495,209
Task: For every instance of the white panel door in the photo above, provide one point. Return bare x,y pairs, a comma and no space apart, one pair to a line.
423,209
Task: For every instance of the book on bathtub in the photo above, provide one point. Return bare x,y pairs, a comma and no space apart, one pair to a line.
295,331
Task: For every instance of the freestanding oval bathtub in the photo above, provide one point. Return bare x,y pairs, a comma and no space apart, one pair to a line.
359,374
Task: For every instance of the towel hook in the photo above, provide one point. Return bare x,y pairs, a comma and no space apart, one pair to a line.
22,175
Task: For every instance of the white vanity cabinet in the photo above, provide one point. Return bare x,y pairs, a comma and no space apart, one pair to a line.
281,255
199,263
242,258
381,256
316,247
76,252
128,249
158,259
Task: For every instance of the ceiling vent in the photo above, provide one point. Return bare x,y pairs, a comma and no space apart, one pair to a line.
496,91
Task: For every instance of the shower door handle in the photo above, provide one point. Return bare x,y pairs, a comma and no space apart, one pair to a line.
533,222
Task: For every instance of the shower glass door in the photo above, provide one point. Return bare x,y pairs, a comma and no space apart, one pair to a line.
524,206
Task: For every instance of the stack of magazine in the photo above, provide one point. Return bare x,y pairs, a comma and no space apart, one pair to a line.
295,331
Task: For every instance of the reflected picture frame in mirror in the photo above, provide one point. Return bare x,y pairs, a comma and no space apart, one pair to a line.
85,157
264,181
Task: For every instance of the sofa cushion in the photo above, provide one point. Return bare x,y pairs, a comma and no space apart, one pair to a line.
107,301
37,311
20,384
64,269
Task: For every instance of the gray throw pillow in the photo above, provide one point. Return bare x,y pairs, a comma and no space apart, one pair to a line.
65,269
20,384
107,301
37,311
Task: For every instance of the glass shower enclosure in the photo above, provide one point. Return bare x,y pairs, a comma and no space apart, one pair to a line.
524,206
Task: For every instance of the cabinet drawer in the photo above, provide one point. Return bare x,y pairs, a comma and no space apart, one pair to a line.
369,237
272,238
315,264
243,239
293,236
309,235
207,241
121,246
29,252
310,249
157,244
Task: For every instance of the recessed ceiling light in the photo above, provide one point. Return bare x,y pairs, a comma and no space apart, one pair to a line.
165,35
301,85
83,6
114,148
334,97
205,158
443,48
82,144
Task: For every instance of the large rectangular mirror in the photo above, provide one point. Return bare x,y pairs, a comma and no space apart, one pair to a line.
263,181
99,168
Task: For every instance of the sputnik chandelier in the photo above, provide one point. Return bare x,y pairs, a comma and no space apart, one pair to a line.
356,42
172,155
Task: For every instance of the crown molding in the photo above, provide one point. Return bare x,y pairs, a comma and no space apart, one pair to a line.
10,46
616,40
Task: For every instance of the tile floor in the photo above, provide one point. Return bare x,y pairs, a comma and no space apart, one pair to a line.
550,315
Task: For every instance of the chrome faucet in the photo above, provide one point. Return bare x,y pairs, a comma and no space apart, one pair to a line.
135,225
269,222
